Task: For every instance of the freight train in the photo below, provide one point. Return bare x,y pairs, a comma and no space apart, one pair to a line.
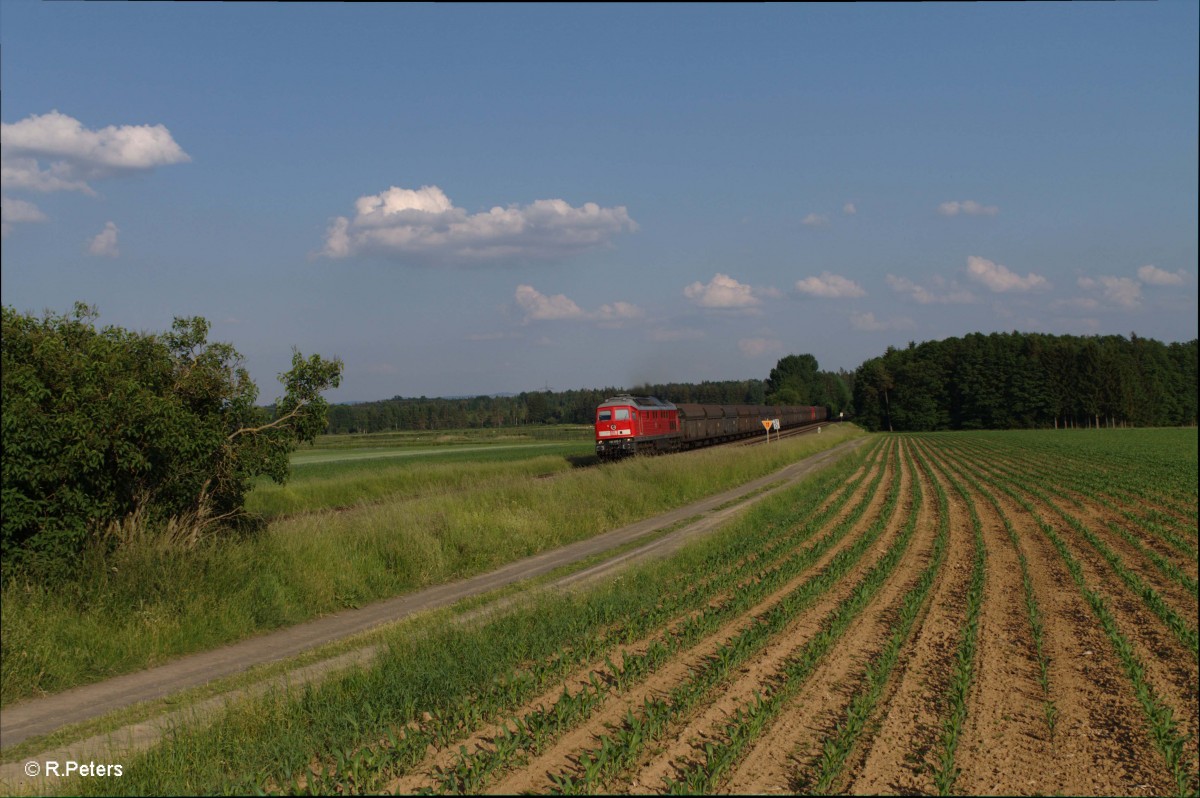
627,425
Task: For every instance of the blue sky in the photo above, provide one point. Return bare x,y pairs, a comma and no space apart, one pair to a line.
475,199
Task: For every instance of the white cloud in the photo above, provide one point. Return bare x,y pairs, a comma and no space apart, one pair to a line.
104,244
924,296
866,322
815,220
756,347
1152,275
967,207
1124,292
849,209
539,307
998,278
75,154
15,211
722,291
618,312
830,286
424,223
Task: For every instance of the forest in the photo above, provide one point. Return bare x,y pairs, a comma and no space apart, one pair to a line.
980,381
999,381
1028,380
544,407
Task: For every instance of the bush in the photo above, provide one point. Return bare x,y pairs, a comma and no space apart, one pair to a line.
103,425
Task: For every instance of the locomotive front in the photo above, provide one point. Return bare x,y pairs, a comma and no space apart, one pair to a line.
628,424
614,429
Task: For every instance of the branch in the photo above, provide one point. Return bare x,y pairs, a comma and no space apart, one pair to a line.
295,411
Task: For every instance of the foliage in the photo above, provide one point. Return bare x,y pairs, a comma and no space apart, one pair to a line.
1023,380
103,425
798,380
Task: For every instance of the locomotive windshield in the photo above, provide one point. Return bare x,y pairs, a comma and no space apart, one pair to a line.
605,415
622,414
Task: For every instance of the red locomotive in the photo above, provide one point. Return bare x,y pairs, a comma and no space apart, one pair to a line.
628,424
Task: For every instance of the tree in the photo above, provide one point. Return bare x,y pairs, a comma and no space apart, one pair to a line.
101,425
794,381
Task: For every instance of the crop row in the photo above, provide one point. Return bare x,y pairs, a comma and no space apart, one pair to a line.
620,748
1178,626
535,730
705,775
1163,729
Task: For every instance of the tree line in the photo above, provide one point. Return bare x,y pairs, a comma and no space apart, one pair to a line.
791,383
1028,380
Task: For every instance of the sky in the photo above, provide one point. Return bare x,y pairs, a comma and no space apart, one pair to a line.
468,199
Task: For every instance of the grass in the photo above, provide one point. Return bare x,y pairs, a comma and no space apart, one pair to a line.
141,607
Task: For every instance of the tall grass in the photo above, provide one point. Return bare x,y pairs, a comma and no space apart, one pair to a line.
146,604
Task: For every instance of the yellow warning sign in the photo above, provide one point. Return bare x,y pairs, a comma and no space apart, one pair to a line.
767,424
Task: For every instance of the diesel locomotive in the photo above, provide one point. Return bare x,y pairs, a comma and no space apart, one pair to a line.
627,425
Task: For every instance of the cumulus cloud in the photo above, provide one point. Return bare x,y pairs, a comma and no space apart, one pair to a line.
424,223
104,244
540,307
1000,279
722,291
830,286
1123,292
866,322
815,220
849,209
15,211
73,154
924,296
756,347
967,208
1152,275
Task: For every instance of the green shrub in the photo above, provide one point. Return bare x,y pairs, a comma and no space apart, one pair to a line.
103,425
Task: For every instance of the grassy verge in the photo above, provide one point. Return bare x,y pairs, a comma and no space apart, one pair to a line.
142,607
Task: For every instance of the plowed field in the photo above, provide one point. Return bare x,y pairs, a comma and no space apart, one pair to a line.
965,616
